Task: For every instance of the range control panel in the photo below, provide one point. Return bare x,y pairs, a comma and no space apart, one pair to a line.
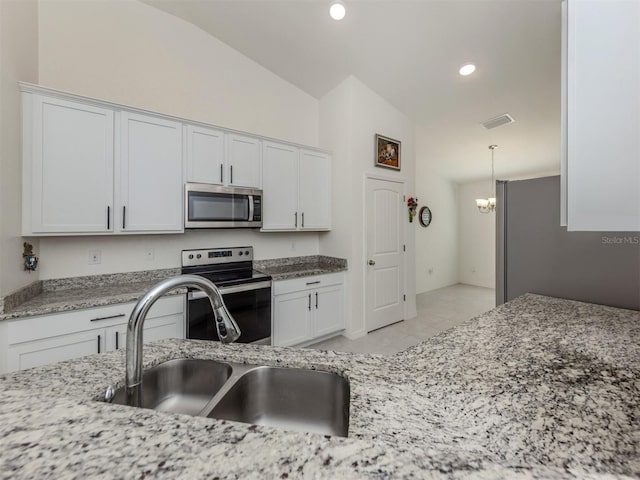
213,256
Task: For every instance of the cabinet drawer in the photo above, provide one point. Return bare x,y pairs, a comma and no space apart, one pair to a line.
281,287
64,323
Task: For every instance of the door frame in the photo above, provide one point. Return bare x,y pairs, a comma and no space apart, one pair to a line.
374,176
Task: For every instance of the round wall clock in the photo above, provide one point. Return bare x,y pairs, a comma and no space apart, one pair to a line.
425,216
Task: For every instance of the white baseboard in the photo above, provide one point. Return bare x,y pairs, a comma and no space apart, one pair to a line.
354,335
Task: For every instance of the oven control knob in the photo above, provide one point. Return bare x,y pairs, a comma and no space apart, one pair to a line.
198,256
191,256
240,253
223,330
247,252
219,319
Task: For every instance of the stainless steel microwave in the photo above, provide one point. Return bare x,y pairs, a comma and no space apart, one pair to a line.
215,206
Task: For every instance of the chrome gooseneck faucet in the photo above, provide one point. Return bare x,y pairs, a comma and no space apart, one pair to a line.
228,330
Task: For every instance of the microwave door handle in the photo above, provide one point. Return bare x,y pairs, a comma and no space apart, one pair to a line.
250,197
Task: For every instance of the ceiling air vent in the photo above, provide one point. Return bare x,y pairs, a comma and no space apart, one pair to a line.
498,121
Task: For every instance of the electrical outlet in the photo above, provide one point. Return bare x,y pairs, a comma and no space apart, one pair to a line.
95,257
149,254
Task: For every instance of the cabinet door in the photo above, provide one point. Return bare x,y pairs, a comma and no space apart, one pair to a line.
328,313
150,175
603,119
243,161
171,326
292,318
55,349
315,190
205,155
280,187
68,150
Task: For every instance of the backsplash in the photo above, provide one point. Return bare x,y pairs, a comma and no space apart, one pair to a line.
62,257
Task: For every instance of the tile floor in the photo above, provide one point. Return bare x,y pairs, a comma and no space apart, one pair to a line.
438,311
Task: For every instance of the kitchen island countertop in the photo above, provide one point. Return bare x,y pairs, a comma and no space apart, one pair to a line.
536,388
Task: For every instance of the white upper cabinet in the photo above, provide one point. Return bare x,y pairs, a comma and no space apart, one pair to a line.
280,186
297,188
68,166
243,161
220,158
205,155
315,190
92,167
601,116
150,174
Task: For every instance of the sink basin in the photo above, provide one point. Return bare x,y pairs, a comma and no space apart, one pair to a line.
180,386
288,398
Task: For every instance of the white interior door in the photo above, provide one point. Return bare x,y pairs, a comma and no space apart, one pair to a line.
384,261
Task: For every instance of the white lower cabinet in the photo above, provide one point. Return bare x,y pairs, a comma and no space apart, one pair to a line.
306,309
42,340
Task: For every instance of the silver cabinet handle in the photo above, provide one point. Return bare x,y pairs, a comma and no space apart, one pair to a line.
309,302
296,223
221,173
372,262
231,174
313,283
97,319
302,219
99,342
124,216
117,338
316,300
108,217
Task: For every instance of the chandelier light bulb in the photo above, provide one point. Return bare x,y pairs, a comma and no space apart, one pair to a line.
337,10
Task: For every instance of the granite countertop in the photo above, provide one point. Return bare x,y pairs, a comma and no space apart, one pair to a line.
536,388
61,295
66,294
296,267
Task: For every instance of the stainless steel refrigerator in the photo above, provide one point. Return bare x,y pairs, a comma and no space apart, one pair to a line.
536,255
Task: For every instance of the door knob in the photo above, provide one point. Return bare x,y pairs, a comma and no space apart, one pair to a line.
371,262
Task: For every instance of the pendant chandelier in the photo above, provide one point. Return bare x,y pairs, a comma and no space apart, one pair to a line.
487,205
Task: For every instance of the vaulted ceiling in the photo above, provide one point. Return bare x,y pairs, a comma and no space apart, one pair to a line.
409,52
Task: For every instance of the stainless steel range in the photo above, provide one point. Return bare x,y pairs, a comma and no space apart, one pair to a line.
246,292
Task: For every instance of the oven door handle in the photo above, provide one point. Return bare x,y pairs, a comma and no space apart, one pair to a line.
233,289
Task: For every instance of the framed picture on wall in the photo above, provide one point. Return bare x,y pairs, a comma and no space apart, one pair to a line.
387,152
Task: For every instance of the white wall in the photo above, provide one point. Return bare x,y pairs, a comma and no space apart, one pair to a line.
18,61
437,244
131,53
350,116
477,237
69,256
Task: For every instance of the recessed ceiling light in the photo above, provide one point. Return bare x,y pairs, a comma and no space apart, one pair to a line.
337,10
467,69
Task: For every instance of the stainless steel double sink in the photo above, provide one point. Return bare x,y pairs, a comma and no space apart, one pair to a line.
288,398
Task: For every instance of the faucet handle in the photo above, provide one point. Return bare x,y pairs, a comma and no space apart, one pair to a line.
109,394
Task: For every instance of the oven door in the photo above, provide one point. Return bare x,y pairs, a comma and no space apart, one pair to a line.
248,304
213,206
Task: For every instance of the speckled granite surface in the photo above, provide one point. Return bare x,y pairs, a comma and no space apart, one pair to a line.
61,295
295,267
537,388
